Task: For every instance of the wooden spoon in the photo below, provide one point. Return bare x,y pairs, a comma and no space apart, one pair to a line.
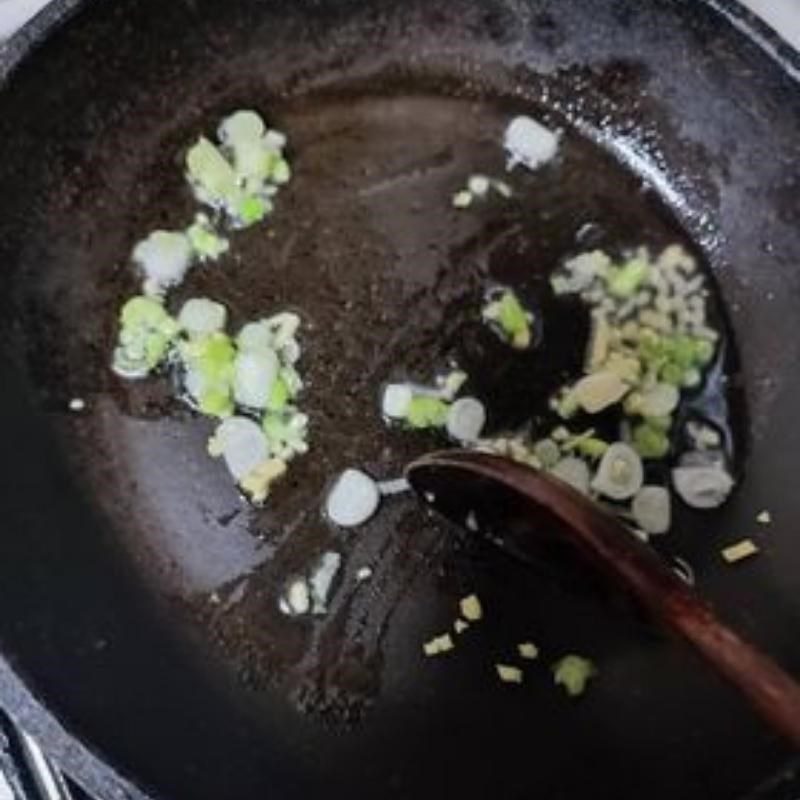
554,507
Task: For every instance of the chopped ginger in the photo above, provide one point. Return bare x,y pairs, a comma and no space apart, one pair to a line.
740,551
471,608
528,650
509,674
258,481
438,645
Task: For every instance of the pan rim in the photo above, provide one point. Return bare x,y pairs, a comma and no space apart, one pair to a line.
24,43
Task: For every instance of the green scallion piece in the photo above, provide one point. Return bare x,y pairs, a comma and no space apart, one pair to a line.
426,412
650,442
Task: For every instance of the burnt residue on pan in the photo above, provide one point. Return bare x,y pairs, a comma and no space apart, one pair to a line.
389,281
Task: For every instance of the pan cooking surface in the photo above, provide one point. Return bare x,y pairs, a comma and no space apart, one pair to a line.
388,278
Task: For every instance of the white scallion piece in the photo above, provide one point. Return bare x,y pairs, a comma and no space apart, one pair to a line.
462,199
478,185
253,164
529,143
241,126
764,518
652,509
659,401
242,444
200,317
276,140
396,399
256,337
548,452
353,499
459,626
290,351
291,377
620,474
253,377
284,327
212,177
77,404
573,471
296,601
164,257
560,434
508,674
466,419
702,486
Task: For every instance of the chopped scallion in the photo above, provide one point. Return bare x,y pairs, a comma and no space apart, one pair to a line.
573,673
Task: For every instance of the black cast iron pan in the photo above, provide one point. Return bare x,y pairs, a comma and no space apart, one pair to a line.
139,596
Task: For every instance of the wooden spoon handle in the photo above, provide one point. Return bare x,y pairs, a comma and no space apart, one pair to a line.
606,543
770,690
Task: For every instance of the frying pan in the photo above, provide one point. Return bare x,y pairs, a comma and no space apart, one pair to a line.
139,596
